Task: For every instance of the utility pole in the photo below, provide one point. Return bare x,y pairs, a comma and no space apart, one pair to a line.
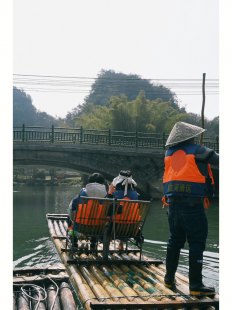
203,107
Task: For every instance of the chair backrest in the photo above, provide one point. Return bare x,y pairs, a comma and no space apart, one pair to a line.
129,217
92,215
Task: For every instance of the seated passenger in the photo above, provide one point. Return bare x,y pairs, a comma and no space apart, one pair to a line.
122,187
96,187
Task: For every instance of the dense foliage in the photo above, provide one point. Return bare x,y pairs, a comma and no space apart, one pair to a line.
140,114
25,113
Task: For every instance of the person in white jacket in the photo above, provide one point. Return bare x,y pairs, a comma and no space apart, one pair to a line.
96,187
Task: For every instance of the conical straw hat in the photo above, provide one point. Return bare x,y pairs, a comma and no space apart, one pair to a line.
182,131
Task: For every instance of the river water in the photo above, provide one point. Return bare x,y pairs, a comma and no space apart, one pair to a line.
32,245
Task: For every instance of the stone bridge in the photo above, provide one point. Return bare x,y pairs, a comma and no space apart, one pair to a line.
146,164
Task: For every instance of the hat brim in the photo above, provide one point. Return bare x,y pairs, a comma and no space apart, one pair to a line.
183,140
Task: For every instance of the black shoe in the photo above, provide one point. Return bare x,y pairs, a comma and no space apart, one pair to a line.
170,283
171,286
201,290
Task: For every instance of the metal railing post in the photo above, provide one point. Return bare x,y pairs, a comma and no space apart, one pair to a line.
109,136
217,144
81,134
164,140
136,138
23,133
52,137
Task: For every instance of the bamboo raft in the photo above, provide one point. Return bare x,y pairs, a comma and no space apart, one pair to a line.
124,280
37,288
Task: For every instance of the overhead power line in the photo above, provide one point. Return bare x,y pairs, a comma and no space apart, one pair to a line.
82,85
95,78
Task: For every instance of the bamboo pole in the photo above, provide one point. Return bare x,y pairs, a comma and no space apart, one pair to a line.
14,302
99,291
65,225
52,298
158,285
184,281
159,274
38,300
162,266
109,287
160,277
23,302
51,228
66,297
82,288
62,228
180,287
145,291
128,292
57,228
144,294
151,289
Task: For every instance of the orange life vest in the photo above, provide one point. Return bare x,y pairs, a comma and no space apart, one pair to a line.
182,176
129,213
88,214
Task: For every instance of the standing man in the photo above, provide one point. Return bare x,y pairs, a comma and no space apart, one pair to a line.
188,187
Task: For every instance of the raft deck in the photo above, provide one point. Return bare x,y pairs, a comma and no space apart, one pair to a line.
43,288
123,281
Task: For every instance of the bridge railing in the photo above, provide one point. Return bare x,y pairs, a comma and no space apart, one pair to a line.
101,137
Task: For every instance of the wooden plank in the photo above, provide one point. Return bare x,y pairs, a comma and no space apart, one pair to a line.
36,270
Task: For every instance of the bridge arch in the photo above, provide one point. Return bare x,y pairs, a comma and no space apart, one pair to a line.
146,164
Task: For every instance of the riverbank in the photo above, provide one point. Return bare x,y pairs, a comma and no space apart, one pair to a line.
60,177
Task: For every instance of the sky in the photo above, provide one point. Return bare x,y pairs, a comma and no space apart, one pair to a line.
175,40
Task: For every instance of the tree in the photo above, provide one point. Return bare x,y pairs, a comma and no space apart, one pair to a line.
97,117
25,113
140,114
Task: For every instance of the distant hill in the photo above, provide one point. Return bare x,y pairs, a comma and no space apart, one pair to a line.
25,113
110,83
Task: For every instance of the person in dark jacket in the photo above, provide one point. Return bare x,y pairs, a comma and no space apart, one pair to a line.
123,187
188,187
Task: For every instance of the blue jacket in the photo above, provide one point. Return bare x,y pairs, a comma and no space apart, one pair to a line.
187,171
131,194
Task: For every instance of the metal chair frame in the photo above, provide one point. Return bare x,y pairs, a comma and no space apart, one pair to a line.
106,219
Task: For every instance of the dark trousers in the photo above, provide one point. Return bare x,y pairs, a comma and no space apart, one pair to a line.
187,222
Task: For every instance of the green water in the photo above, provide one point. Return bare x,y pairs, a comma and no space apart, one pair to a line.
32,245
